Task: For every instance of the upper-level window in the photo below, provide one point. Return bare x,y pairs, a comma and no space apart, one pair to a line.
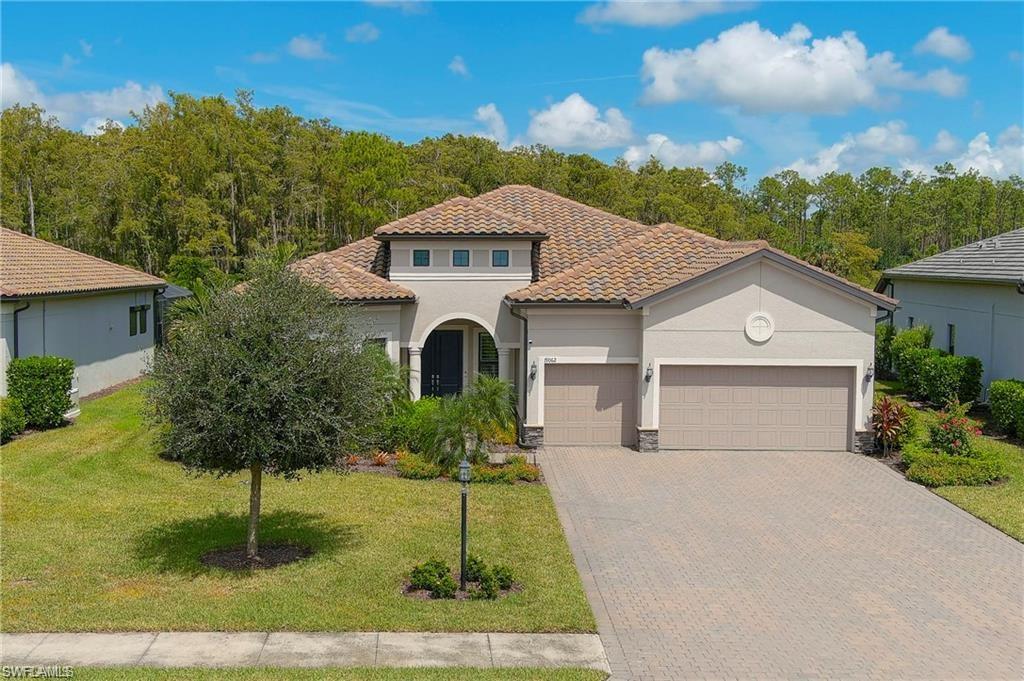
460,258
951,328
421,258
499,258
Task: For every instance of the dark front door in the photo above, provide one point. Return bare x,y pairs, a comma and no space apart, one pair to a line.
442,363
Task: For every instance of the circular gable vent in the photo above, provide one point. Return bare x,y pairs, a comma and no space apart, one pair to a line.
759,327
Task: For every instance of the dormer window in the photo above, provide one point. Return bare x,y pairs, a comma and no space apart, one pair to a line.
421,258
499,258
460,258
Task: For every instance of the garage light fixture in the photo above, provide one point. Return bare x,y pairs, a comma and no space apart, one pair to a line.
649,374
533,370
870,373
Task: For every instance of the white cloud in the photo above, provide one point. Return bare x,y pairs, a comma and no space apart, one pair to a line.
83,109
98,124
1003,159
263,57
86,48
576,123
304,47
494,123
458,66
675,155
405,6
67,62
889,144
856,152
362,33
759,71
944,44
656,13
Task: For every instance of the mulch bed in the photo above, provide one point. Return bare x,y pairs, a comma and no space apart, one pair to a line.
270,556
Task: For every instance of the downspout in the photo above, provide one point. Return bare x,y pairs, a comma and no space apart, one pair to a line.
524,357
15,318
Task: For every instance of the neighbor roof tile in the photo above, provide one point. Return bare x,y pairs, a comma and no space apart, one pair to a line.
33,267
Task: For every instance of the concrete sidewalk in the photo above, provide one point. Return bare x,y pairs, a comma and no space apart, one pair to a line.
295,649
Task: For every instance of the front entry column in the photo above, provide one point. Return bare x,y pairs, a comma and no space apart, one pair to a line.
504,367
415,372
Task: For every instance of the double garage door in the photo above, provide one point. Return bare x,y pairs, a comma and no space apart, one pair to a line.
701,407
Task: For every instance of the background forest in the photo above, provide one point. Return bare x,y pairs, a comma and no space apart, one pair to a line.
197,184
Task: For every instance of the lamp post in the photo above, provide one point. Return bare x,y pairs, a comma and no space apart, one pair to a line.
464,471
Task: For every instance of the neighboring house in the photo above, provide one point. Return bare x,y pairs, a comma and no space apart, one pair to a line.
56,301
616,332
972,297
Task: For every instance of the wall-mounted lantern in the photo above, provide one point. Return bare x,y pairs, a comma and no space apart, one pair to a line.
870,373
649,374
533,370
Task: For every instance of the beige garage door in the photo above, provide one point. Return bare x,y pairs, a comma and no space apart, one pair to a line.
590,404
741,407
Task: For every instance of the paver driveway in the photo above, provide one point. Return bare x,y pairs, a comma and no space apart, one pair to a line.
784,565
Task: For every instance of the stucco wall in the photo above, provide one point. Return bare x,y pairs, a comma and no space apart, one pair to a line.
989,320
814,324
479,252
91,330
586,335
384,321
478,300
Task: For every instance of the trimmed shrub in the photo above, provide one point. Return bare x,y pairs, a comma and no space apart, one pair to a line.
933,469
415,467
42,385
919,337
884,335
913,373
411,425
487,587
505,576
945,378
500,435
12,418
435,577
475,567
1006,400
953,432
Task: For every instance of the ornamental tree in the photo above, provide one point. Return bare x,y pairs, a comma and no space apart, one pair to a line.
273,378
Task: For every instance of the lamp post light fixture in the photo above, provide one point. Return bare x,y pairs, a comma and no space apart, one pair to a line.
464,471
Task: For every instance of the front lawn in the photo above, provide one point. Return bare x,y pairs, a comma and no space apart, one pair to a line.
1000,505
353,674
99,534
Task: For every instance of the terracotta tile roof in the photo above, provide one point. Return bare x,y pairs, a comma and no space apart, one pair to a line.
459,217
648,263
575,231
348,281
32,267
366,254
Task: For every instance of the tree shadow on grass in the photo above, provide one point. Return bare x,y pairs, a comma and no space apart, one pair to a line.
178,546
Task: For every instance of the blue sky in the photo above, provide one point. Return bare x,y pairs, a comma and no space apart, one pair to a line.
813,86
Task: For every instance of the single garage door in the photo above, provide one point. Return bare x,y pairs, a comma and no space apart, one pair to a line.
745,407
590,404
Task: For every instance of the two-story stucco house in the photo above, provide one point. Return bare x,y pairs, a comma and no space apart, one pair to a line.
972,297
616,332
56,301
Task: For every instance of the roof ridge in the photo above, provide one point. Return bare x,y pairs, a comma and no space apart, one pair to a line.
565,199
507,216
78,253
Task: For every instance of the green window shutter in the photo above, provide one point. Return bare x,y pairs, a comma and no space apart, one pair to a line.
133,321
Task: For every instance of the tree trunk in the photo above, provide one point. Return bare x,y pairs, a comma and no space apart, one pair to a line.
31,208
255,483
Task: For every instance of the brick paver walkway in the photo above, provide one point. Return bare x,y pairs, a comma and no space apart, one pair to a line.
785,565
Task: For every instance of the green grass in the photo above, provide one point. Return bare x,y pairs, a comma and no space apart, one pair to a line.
1000,505
354,674
99,534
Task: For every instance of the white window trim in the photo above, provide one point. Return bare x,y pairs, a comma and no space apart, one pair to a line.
508,257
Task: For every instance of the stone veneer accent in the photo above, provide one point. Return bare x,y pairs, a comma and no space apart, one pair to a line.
533,436
864,441
646,440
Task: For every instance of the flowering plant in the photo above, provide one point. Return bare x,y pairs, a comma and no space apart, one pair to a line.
953,433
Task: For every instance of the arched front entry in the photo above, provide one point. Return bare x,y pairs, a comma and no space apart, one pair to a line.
452,354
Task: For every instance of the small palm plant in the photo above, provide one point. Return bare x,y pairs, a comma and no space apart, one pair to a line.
459,427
